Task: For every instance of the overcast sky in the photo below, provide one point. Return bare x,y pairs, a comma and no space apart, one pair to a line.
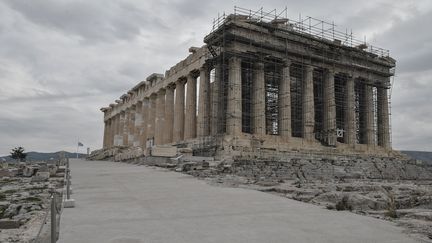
60,61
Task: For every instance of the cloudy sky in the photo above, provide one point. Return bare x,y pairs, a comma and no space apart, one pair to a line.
61,60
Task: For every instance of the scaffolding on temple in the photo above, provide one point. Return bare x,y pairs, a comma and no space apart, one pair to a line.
318,32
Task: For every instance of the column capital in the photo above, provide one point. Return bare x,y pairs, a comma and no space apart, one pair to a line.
192,74
180,81
204,67
161,91
330,70
259,65
308,67
286,62
170,86
234,58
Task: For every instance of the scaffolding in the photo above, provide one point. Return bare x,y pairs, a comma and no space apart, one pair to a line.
317,28
319,32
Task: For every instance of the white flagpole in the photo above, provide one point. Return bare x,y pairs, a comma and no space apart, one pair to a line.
77,149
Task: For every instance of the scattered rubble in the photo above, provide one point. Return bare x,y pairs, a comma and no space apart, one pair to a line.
25,191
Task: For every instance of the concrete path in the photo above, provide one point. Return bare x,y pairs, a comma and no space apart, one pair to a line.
118,202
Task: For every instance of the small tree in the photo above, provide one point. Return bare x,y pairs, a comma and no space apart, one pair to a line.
18,154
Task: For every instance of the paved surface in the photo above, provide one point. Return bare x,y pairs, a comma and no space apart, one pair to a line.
118,202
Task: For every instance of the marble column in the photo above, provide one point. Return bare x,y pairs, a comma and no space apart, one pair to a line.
179,111
349,120
118,130
203,119
258,99
234,97
115,130
144,112
138,124
284,101
106,134
369,115
383,118
160,117
308,104
329,111
215,100
190,114
151,116
131,125
126,127
169,114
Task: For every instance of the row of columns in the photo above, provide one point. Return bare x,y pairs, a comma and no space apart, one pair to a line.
234,106
165,117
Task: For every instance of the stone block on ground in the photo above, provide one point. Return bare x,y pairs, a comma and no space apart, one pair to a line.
52,169
5,173
164,151
9,224
69,203
185,151
29,170
41,176
61,169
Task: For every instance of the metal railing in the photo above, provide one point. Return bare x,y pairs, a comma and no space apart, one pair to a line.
54,211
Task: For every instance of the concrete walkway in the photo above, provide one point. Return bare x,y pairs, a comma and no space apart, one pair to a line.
118,202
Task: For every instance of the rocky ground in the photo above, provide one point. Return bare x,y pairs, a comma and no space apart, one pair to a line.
405,202
24,204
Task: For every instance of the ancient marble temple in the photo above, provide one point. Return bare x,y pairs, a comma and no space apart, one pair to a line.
262,85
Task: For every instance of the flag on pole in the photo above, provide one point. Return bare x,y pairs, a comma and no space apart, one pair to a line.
80,144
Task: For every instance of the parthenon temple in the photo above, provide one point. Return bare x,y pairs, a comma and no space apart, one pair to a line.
262,84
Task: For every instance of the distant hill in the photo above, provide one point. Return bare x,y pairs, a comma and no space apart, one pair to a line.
420,155
36,156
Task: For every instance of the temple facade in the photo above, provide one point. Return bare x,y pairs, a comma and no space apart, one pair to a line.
261,86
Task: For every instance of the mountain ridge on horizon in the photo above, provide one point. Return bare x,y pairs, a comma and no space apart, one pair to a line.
40,156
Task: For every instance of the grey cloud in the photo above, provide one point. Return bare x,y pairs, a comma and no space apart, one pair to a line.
91,20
